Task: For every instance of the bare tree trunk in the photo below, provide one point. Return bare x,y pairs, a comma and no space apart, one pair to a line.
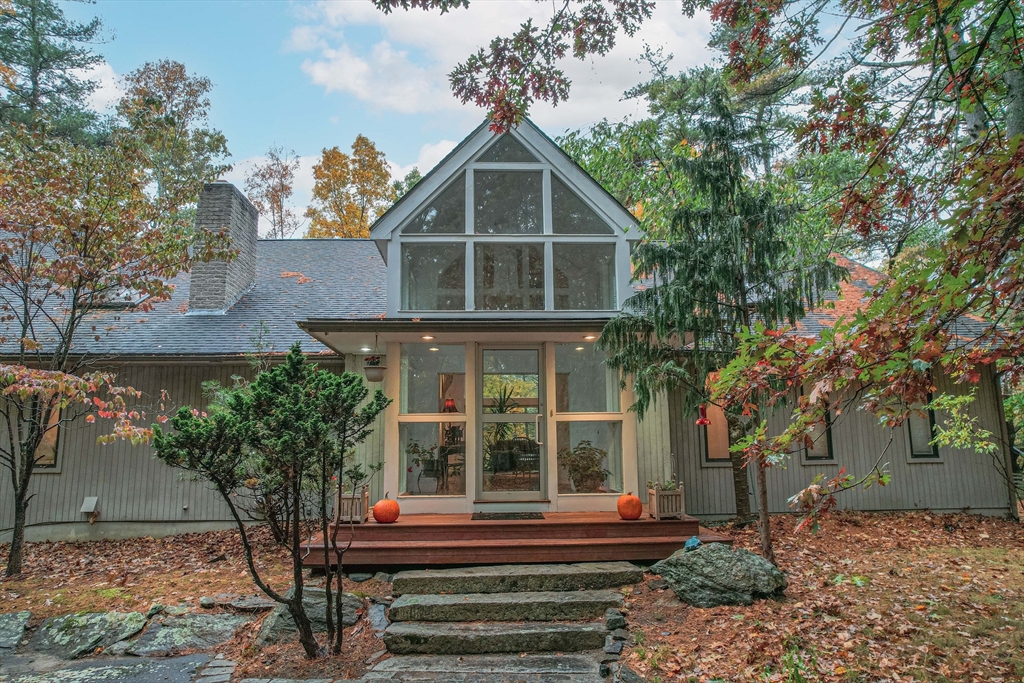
16,554
762,509
740,481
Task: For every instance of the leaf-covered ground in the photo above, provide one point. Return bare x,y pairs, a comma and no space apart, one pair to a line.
871,597
127,575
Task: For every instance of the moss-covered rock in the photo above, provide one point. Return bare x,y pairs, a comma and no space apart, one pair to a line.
715,574
168,635
74,635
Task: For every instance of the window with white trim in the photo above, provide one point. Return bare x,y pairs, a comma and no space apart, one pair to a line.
508,233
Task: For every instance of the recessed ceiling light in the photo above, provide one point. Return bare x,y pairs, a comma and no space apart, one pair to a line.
427,337
590,337
434,348
579,348
366,349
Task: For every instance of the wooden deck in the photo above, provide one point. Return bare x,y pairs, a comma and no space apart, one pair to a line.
453,540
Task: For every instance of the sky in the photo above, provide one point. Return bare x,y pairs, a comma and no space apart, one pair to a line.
314,74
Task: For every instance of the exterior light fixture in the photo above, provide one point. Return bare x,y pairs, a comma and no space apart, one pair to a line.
427,337
434,348
590,337
366,349
579,348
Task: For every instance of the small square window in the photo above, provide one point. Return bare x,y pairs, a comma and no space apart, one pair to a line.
509,277
434,277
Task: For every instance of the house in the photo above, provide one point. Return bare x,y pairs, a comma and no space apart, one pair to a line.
480,293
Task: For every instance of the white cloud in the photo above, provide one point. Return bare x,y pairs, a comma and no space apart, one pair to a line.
384,79
406,71
430,155
108,87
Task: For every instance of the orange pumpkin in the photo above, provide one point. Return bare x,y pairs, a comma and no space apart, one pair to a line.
386,510
630,506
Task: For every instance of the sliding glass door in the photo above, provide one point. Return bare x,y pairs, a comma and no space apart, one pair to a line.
511,459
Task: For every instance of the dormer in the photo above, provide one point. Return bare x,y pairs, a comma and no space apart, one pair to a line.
506,226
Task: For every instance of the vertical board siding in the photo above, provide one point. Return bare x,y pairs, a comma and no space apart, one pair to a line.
131,484
961,480
654,450
371,451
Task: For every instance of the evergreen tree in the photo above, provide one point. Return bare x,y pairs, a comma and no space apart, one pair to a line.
46,54
717,263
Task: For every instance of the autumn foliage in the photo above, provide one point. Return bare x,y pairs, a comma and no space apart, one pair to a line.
350,191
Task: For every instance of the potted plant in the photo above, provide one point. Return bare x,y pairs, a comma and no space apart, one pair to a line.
426,459
353,506
373,370
583,463
665,499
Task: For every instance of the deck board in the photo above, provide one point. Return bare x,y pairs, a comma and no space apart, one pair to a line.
436,540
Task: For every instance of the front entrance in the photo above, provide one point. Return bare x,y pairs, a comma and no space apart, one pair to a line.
511,455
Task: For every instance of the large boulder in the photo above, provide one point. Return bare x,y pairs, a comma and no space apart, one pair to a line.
172,634
715,574
279,622
12,628
74,635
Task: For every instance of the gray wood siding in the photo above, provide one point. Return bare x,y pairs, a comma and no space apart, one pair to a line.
132,485
654,447
371,451
961,479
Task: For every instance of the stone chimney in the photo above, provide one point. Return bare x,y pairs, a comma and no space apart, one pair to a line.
216,285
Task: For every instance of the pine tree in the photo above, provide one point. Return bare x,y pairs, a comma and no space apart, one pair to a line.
720,262
46,53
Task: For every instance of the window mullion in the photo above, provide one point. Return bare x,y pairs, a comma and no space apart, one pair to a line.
470,255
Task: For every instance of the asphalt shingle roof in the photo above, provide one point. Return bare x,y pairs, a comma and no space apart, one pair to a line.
295,280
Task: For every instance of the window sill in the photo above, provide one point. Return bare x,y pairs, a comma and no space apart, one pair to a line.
805,462
714,464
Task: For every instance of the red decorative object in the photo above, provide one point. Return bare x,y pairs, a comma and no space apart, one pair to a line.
386,510
630,507
703,420
449,406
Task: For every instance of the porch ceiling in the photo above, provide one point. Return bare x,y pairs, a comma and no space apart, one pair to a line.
352,336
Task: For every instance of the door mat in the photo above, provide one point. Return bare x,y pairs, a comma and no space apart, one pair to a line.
505,516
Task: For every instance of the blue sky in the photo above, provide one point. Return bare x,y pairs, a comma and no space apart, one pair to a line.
308,75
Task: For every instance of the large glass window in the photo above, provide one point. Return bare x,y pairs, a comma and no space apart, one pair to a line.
584,276
571,215
445,214
433,378
433,277
509,277
433,458
507,149
508,202
589,457
584,383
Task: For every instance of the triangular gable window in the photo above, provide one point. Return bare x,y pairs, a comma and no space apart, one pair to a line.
507,150
571,215
446,214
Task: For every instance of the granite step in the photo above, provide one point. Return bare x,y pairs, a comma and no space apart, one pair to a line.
527,606
539,668
518,578
413,637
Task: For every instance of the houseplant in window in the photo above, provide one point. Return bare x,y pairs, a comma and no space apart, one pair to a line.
425,459
584,465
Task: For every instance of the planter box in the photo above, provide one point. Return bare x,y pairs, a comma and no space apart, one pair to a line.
665,504
351,508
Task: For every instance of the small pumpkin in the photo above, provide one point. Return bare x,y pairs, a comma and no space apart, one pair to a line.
630,506
386,510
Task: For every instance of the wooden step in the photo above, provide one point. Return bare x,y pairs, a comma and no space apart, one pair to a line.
505,551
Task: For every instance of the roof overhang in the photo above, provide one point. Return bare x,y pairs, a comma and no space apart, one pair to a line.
353,336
